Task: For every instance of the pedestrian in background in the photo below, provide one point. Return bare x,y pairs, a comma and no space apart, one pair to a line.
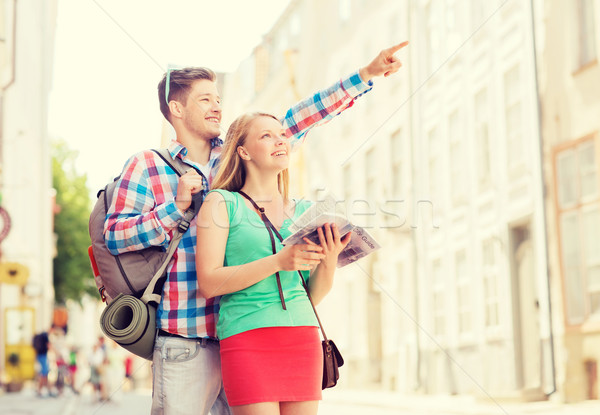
114,378
97,360
72,366
59,353
41,345
129,371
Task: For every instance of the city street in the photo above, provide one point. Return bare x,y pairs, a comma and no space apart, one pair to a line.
458,140
335,402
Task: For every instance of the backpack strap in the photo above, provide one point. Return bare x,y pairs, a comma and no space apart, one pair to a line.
175,163
151,293
182,168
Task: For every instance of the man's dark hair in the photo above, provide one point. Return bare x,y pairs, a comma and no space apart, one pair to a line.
180,83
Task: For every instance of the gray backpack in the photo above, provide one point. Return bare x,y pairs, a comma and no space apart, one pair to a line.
132,272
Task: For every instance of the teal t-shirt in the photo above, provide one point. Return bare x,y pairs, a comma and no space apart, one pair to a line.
259,305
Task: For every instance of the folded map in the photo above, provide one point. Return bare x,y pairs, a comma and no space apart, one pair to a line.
361,243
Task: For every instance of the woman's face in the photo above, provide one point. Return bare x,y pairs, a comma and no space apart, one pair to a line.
266,146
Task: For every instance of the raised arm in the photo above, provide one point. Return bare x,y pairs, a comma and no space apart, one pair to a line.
324,105
214,279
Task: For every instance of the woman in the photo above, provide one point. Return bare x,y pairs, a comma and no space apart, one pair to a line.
271,356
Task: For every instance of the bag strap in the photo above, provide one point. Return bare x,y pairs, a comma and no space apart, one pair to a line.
153,291
177,165
266,220
271,228
181,168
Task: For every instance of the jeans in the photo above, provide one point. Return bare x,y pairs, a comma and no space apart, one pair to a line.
42,359
186,378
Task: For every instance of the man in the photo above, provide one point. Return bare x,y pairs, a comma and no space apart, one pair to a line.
150,199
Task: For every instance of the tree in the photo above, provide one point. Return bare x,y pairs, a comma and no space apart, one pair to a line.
72,272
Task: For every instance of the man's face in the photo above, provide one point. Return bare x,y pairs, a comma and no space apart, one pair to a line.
202,110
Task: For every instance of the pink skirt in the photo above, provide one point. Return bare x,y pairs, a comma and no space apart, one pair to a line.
272,364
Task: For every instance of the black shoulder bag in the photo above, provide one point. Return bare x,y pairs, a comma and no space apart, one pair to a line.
332,358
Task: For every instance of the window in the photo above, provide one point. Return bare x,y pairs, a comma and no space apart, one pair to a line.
397,34
566,171
590,221
435,170
577,174
349,189
586,30
573,276
579,224
513,119
439,298
348,184
395,27
368,49
482,137
463,293
396,158
452,26
371,164
295,25
458,174
588,170
432,38
477,13
490,283
276,52
345,10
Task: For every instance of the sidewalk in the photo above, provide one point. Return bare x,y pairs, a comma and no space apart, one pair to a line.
336,401
26,403
449,405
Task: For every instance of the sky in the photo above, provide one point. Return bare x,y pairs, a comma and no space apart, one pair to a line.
110,55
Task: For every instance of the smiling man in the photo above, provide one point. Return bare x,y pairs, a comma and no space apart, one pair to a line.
150,199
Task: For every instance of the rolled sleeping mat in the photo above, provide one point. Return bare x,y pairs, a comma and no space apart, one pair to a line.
131,323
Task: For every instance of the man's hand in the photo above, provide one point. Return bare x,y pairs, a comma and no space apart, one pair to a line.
189,184
386,63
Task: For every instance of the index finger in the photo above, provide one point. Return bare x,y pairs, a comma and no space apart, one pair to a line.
397,47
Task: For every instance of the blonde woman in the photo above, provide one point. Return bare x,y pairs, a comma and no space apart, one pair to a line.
271,356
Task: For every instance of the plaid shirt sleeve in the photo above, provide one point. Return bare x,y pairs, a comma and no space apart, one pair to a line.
142,212
323,106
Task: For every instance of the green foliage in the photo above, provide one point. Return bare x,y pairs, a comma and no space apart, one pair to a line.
72,273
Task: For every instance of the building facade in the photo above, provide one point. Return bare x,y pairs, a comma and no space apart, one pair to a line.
569,79
26,55
442,162
482,264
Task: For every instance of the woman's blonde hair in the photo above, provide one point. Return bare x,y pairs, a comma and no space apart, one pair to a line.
232,172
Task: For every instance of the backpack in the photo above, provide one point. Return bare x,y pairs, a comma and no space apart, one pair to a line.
40,343
131,272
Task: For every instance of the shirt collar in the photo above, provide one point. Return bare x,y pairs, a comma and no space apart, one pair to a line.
178,150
